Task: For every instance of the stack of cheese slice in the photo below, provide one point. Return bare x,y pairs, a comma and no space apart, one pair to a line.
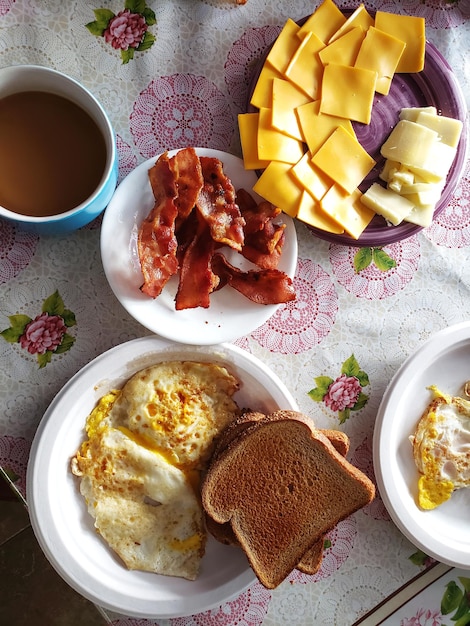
418,155
317,79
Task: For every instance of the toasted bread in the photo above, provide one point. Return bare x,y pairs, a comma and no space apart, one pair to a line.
291,487
312,559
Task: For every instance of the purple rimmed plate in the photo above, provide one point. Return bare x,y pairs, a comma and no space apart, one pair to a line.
436,85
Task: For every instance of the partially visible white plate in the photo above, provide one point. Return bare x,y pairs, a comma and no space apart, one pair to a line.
230,314
444,361
58,512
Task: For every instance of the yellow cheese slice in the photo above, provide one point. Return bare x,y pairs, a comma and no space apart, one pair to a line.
314,181
284,47
317,127
310,212
324,21
277,185
348,92
343,50
347,210
412,31
286,98
273,145
305,68
248,127
343,159
359,18
262,93
381,53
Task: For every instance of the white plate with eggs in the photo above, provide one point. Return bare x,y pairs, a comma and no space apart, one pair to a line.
59,515
444,361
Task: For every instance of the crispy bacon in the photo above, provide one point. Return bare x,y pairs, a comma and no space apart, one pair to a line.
187,171
216,203
156,241
255,215
268,286
257,250
197,280
263,239
196,211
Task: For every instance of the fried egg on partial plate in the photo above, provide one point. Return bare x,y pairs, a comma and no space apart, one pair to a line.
441,449
140,466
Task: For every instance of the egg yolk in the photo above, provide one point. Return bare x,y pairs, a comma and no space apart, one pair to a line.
433,492
100,412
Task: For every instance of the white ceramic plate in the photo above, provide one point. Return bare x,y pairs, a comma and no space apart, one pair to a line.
444,361
230,314
58,512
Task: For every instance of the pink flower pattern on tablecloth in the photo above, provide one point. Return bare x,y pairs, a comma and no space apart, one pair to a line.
125,30
5,6
243,60
248,609
14,454
451,228
179,111
303,323
17,248
341,540
342,393
243,342
127,158
44,332
361,458
373,283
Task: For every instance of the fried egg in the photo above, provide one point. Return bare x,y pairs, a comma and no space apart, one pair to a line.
139,467
441,449
178,408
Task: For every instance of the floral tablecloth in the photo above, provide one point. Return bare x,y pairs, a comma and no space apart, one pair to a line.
174,73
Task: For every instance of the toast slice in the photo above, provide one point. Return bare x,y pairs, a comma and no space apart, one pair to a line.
312,559
282,486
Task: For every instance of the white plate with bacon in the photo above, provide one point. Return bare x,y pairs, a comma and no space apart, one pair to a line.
185,274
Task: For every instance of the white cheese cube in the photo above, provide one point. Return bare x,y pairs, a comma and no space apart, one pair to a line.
387,203
409,143
447,128
421,215
394,185
423,194
436,164
411,113
389,168
424,198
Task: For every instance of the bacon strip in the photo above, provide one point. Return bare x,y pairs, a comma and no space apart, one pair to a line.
268,286
187,171
216,203
252,250
156,241
263,239
197,280
255,215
